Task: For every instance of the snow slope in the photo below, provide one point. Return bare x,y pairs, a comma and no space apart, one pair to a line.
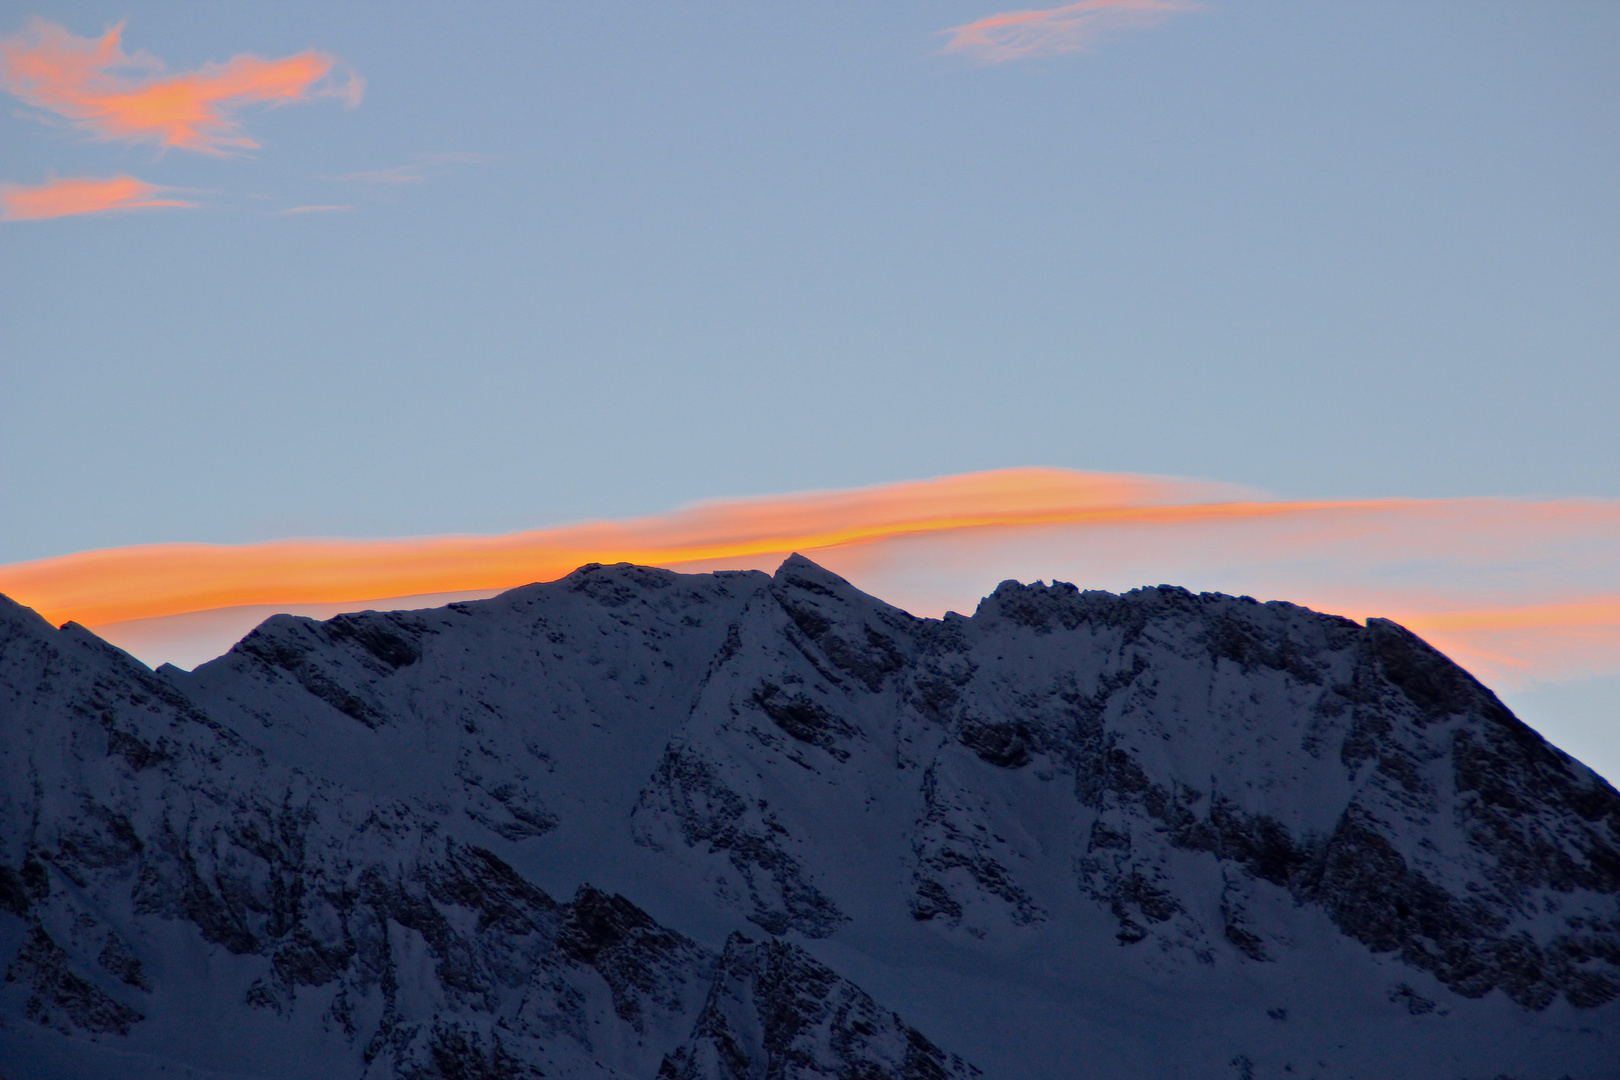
634,823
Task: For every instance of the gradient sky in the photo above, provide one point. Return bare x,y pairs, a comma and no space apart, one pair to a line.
662,252
402,269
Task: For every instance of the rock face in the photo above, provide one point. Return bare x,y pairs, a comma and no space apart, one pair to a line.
1076,834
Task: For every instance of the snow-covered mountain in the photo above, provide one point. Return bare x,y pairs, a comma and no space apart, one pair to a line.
641,824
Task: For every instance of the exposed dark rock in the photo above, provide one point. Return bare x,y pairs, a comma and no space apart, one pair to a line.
1103,837
774,1011
13,893
1247,943
634,955
61,999
1415,1003
1230,637
457,1052
117,959
617,585
1155,903
932,900
389,638
304,961
139,754
804,718
1006,745
828,612
289,645
1356,873
709,813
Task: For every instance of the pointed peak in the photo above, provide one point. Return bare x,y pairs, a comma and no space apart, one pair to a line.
798,570
801,575
818,598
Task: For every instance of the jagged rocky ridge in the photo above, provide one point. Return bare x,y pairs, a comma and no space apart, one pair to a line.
1053,836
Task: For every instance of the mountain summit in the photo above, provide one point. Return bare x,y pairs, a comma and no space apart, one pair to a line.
634,823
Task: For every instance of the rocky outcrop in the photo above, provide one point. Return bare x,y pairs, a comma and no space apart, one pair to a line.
774,1011
1458,828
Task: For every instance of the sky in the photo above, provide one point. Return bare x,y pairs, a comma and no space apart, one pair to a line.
274,272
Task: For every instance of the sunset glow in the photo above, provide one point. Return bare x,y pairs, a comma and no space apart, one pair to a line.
1512,588
165,579
1019,35
79,195
115,95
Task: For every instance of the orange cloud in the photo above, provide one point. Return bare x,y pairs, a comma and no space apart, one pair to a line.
163,579
1519,591
79,195
101,89
1512,648
1020,35
1593,611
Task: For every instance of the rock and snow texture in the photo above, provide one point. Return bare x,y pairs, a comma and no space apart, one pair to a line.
641,824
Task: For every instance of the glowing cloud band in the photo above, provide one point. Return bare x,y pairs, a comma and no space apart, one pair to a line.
118,584
1517,590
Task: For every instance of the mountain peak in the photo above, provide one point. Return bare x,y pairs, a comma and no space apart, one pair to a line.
1057,830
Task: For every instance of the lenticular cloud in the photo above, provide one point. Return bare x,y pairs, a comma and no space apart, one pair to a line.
1519,591
98,88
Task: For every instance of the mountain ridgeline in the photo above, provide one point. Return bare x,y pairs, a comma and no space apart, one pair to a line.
737,826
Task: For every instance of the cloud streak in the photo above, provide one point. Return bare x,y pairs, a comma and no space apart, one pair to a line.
98,88
1520,591
415,172
72,195
399,174
1024,35
163,579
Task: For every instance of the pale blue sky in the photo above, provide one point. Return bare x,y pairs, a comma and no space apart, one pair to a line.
709,249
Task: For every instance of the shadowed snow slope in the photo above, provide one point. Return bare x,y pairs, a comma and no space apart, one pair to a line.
635,823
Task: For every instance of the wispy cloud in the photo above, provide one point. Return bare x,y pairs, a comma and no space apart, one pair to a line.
459,158
1518,590
415,172
80,195
98,88
314,209
399,174
1021,35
